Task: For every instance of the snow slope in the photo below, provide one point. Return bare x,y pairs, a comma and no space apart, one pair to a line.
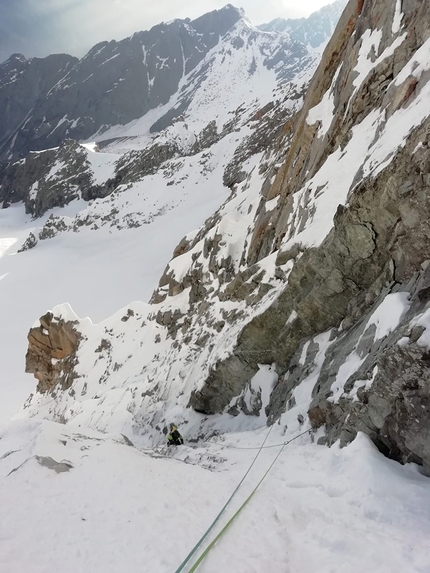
246,67
113,507
97,273
135,229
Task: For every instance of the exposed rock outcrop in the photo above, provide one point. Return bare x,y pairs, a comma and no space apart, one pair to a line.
385,391
49,179
51,354
379,239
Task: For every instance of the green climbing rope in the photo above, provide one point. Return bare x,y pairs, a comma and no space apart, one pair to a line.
230,521
215,521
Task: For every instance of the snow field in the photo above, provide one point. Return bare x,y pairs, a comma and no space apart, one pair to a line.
119,509
97,272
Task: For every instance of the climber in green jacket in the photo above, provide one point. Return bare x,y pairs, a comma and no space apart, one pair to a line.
174,438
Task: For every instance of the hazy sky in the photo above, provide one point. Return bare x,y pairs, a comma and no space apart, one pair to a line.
41,27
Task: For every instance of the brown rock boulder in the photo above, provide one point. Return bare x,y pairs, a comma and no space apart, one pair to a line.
51,354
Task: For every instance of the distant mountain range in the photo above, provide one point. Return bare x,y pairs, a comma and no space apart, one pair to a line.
312,31
45,100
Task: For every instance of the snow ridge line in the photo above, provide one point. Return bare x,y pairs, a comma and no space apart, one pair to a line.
200,541
230,521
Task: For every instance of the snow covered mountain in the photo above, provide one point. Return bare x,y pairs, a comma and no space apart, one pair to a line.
176,177
312,31
114,83
44,101
286,272
295,306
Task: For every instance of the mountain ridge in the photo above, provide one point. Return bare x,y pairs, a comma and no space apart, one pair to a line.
313,30
112,84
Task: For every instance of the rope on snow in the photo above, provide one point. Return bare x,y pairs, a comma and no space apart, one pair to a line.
230,521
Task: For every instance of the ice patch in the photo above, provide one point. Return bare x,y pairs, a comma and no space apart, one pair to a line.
348,368
361,384
417,65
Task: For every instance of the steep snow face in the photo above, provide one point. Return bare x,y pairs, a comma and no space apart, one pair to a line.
107,506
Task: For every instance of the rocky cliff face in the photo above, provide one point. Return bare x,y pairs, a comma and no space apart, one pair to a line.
23,85
316,266
378,240
52,348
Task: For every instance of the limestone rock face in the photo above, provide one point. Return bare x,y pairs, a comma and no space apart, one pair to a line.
387,395
51,353
379,240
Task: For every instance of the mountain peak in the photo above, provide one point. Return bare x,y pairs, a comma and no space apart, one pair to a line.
220,20
231,8
17,57
314,30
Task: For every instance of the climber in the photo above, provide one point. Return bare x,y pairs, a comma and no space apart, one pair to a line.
174,438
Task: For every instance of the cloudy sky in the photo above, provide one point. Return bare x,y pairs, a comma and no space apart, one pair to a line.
41,27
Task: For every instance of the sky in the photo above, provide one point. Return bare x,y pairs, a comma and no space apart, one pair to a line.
42,27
